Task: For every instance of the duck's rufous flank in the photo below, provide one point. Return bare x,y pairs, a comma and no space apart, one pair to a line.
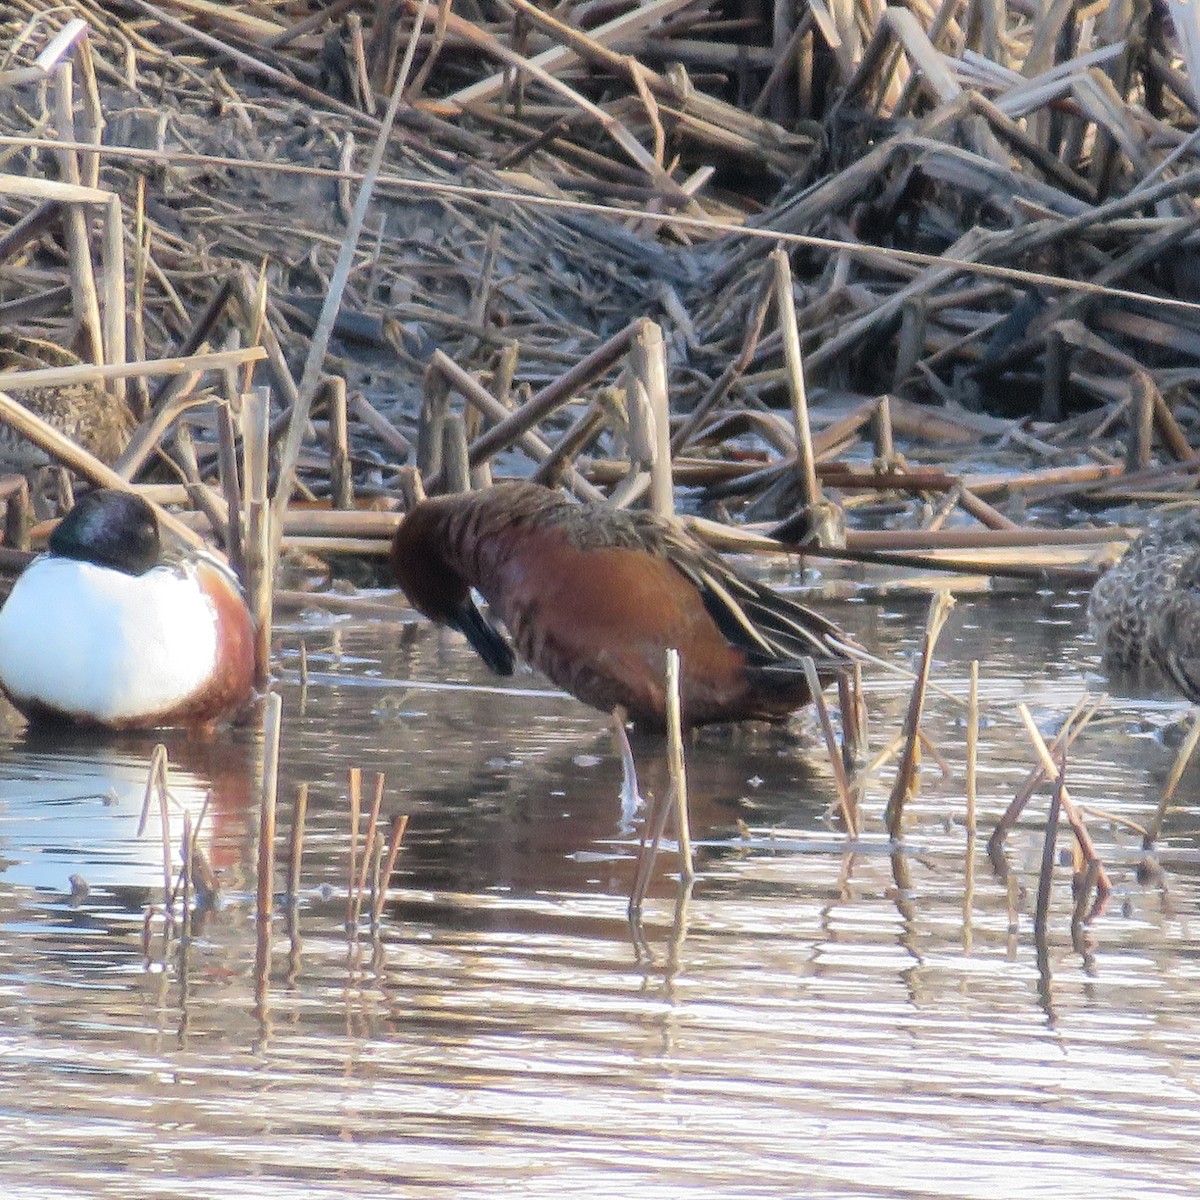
107,631
594,596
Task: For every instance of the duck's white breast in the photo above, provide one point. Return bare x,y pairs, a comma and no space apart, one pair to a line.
91,640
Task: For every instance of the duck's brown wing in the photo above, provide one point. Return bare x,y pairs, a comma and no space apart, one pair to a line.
769,627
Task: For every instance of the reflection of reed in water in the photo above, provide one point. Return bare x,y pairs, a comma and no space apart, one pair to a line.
72,814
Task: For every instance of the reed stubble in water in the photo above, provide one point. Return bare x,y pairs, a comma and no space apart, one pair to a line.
906,774
265,906
1064,801
675,801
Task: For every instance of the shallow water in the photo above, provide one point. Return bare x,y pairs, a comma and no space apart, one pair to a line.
801,1026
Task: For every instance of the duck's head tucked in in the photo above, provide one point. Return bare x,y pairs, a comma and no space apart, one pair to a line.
427,572
110,630
111,529
593,597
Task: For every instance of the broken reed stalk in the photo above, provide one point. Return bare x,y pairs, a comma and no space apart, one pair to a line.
648,357
112,258
1186,749
231,488
1086,882
971,785
256,417
652,832
205,884
881,432
355,794
86,301
368,853
1045,876
17,514
675,800
155,772
399,825
855,735
846,800
677,769
265,900
1103,885
195,870
376,876
156,789
296,844
341,472
906,772
455,467
435,403
272,728
185,876
785,308
1074,724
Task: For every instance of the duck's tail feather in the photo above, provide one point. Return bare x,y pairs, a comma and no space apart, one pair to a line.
771,628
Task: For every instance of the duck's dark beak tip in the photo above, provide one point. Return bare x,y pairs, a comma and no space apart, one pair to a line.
486,640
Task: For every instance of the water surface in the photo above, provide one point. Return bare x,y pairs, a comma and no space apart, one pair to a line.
800,1025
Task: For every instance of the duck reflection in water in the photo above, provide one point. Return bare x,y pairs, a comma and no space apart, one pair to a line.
70,805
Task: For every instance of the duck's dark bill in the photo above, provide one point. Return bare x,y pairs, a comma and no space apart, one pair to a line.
485,638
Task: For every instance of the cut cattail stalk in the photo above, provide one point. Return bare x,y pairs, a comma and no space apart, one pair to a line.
845,795
1103,886
368,854
906,774
231,488
455,469
785,307
355,790
185,874
256,407
676,767
341,477
399,825
296,844
648,358
1045,876
17,514
1074,724
435,404
156,790
971,784
854,716
264,909
881,429
272,726
674,801
79,251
